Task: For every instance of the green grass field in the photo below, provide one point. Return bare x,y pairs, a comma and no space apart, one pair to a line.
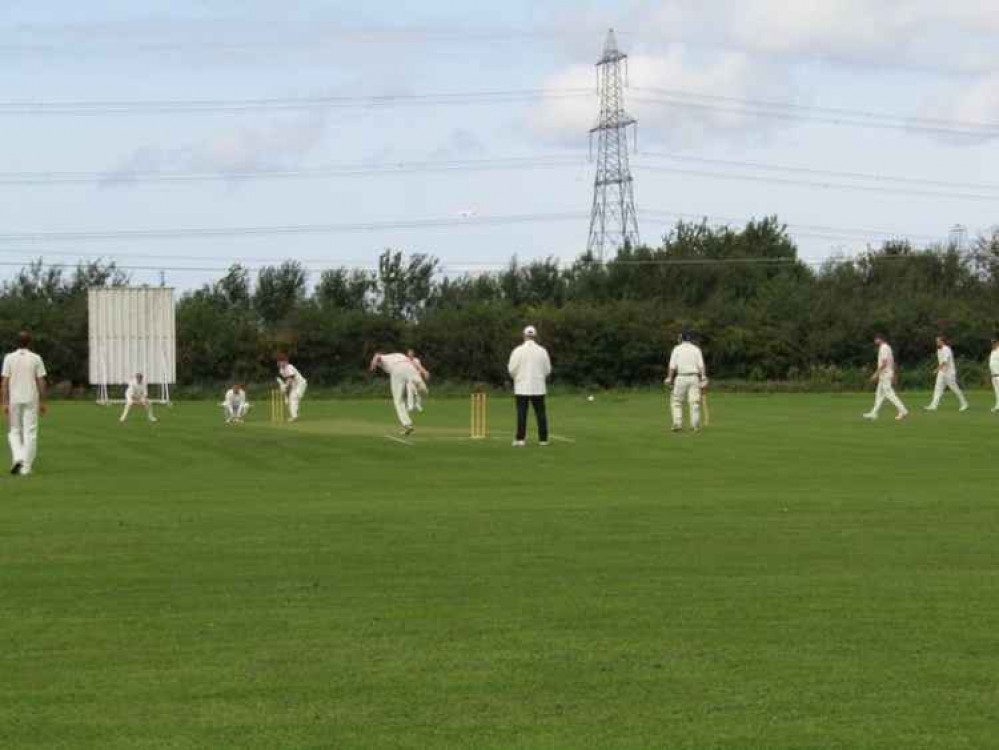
793,577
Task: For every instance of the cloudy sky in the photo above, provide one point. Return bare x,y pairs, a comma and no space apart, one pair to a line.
188,135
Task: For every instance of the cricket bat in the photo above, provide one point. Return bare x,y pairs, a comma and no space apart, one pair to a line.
704,408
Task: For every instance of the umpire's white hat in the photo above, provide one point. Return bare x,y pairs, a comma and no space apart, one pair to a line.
530,332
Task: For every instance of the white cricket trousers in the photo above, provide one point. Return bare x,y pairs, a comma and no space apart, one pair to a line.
414,394
686,387
887,391
232,413
129,404
23,435
995,386
401,378
945,381
294,398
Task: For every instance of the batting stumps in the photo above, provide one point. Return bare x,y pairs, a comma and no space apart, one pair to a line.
480,408
278,406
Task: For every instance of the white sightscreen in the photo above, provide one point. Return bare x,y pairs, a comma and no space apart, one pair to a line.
132,330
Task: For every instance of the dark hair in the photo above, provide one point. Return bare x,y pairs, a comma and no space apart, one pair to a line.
23,339
880,335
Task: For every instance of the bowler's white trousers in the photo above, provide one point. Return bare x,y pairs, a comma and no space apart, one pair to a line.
887,391
23,435
686,387
995,386
401,379
945,381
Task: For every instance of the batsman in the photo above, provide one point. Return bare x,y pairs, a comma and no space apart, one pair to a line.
687,378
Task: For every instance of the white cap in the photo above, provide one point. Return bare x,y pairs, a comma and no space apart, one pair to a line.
530,332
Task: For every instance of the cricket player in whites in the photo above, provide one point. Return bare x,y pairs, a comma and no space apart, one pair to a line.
994,370
687,376
22,392
137,393
946,376
884,376
402,375
235,404
292,385
416,389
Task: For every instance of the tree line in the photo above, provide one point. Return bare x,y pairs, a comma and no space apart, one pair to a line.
761,313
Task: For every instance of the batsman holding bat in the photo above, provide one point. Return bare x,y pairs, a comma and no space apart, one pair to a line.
687,378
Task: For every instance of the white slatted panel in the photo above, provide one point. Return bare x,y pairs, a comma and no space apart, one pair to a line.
132,330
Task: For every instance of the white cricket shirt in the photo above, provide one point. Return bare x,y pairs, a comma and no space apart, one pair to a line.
945,358
686,359
23,368
530,367
233,399
886,361
136,391
288,370
994,362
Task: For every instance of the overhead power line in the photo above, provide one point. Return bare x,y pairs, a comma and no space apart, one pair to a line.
290,229
747,106
798,182
164,106
355,169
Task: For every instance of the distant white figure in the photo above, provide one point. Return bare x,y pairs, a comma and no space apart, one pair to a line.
235,404
994,370
137,394
884,376
22,392
402,373
416,389
529,367
292,385
946,376
687,377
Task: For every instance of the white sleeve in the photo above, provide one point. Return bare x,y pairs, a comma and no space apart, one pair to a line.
39,368
514,364
700,361
6,366
672,359
548,363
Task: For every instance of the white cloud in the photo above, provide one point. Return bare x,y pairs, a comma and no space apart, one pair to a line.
677,70
280,142
757,49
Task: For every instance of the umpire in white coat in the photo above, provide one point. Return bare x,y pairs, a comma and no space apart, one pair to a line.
530,367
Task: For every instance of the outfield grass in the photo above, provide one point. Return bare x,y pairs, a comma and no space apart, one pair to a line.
791,578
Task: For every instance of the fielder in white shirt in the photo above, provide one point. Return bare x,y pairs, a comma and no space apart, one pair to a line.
994,370
687,376
292,385
946,376
402,375
137,394
235,404
530,366
416,389
884,376
22,392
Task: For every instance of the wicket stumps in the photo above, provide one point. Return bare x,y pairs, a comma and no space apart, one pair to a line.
480,406
277,405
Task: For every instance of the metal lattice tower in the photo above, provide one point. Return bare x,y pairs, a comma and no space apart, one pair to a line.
613,221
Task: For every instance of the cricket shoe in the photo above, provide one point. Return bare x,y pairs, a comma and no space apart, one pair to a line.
929,408
901,415
964,408
543,443
17,468
519,443
869,415
407,431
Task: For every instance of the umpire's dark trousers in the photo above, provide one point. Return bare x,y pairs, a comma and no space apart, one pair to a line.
540,414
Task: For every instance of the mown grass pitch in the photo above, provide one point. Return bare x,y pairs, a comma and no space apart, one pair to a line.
792,578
